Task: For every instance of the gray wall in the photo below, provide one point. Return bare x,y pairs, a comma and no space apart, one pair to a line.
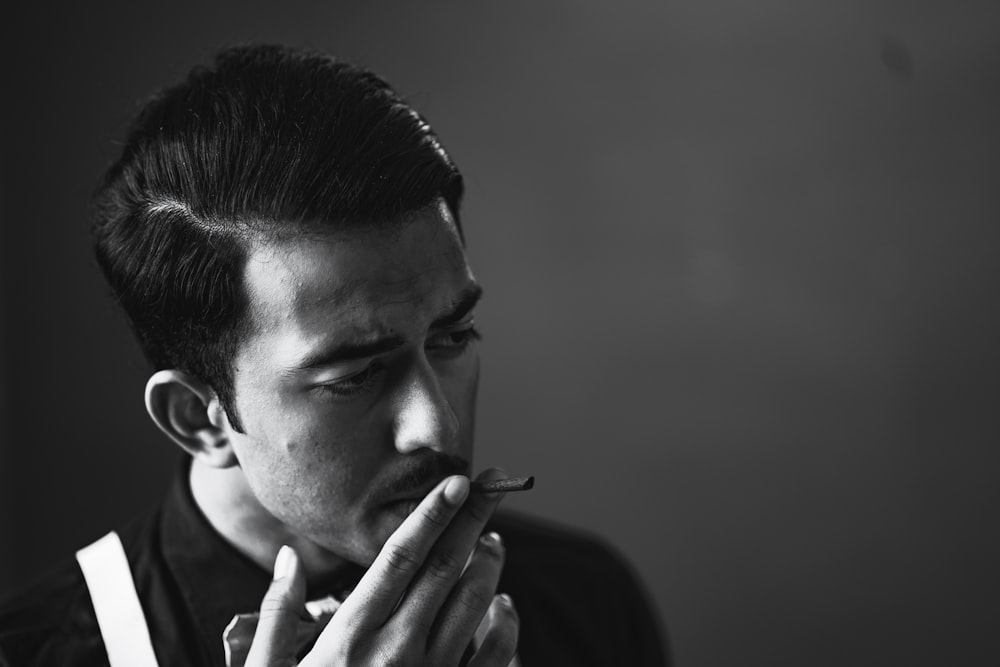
741,271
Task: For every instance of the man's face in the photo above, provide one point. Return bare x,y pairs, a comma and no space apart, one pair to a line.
357,385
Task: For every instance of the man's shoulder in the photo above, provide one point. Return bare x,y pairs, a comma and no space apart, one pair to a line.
579,599
51,621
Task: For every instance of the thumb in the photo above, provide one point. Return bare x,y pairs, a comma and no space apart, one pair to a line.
274,642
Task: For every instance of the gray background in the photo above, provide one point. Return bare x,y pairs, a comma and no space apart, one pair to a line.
741,271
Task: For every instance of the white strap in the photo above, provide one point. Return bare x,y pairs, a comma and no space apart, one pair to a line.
119,614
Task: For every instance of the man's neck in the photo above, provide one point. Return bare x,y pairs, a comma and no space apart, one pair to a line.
225,499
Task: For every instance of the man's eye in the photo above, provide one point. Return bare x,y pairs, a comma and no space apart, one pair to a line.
453,340
353,384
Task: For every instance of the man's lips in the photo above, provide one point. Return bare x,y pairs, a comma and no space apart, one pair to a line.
419,477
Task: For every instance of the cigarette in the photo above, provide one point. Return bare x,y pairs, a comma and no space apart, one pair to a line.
504,485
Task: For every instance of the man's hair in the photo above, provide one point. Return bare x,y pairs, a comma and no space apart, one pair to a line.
264,143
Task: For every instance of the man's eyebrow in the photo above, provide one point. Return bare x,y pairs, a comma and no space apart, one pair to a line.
467,300
348,352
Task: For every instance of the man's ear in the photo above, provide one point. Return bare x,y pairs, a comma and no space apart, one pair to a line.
189,412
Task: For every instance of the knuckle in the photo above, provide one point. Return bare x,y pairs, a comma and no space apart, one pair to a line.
435,514
276,601
273,612
272,607
443,565
476,599
402,558
390,654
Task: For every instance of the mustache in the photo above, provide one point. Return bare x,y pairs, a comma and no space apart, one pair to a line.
430,468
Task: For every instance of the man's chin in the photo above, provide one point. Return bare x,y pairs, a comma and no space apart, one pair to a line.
364,545
399,510
392,517
386,522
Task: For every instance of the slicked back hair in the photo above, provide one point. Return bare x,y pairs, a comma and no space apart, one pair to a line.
266,142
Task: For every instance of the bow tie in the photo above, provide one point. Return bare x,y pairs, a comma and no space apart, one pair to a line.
240,631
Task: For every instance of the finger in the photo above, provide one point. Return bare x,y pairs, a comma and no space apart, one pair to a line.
468,603
499,645
379,591
274,642
448,557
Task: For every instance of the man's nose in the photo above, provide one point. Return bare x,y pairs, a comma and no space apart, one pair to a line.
424,417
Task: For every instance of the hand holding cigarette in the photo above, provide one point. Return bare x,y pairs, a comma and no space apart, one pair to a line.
420,602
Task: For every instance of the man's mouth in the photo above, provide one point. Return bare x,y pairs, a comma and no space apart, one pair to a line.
410,498
406,491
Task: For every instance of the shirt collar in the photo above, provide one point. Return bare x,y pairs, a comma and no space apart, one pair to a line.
214,578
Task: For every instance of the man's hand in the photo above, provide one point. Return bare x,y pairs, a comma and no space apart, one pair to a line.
415,605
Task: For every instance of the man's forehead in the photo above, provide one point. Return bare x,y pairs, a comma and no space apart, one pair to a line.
357,272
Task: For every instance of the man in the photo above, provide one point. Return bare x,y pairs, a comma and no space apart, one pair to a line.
283,233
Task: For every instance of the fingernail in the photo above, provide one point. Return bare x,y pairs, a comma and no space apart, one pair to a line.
456,489
284,563
504,598
491,539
